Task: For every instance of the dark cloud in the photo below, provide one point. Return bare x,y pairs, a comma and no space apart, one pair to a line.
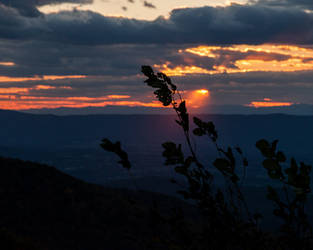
221,25
235,24
306,4
111,50
149,5
29,7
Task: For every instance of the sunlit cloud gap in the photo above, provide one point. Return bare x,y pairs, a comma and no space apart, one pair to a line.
22,105
7,64
75,98
197,98
39,78
137,9
241,59
21,100
267,102
17,90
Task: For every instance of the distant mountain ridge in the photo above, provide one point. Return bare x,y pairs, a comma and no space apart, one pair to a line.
19,129
71,143
296,109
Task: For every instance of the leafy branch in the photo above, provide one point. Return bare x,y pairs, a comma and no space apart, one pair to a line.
226,212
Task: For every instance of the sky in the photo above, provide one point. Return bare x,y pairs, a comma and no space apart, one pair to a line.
85,53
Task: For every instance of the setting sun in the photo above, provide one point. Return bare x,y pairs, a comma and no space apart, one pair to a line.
203,91
198,98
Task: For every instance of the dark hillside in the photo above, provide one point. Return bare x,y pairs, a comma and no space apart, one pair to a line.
52,210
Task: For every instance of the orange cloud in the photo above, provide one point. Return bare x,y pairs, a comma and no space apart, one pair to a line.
267,99
34,102
20,105
17,90
13,90
180,71
39,78
8,64
102,98
118,96
262,58
269,103
54,77
44,87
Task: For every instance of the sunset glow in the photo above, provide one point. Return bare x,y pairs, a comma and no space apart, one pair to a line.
17,102
268,102
203,92
134,9
222,59
15,90
197,98
242,59
39,78
22,105
181,71
8,64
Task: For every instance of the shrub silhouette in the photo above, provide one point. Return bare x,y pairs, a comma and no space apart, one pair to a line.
226,220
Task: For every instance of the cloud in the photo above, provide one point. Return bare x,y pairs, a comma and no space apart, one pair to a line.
110,50
235,24
221,25
29,7
239,58
304,4
149,5
115,69
267,102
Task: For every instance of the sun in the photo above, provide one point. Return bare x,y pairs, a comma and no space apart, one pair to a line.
198,98
202,92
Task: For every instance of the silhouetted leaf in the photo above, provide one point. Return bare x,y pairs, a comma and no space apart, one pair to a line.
238,150
164,95
272,194
222,165
265,148
173,153
147,70
185,194
116,148
280,156
181,170
274,145
198,132
207,128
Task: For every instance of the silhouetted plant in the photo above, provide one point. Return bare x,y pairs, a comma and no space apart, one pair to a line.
116,148
226,217
295,185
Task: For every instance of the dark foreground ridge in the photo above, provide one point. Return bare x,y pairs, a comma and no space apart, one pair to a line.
42,208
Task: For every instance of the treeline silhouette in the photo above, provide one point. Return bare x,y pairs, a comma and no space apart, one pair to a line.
43,208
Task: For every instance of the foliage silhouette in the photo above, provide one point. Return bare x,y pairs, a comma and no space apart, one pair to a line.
295,183
226,220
